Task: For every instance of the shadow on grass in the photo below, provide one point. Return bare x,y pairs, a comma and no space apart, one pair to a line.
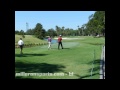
37,68
96,43
66,48
20,77
86,76
97,61
95,70
25,55
61,48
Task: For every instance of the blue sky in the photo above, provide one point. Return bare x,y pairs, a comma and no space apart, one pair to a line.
49,19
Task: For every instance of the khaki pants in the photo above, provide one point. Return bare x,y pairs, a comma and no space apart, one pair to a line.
49,45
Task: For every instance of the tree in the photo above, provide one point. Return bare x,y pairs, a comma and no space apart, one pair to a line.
57,30
63,30
17,32
38,31
90,17
83,28
30,32
96,23
22,33
51,32
43,33
78,30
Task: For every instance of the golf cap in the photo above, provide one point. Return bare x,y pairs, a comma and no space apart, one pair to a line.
60,35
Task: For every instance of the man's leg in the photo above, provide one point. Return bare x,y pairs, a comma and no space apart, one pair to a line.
61,45
58,44
21,49
48,45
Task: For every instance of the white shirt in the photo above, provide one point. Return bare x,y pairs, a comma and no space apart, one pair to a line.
20,42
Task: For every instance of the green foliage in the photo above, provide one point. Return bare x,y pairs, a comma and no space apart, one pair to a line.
96,23
51,32
39,31
16,32
30,32
23,36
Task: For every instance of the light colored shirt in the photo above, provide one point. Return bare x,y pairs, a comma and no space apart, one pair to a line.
20,42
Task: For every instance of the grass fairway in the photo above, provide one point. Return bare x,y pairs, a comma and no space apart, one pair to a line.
76,57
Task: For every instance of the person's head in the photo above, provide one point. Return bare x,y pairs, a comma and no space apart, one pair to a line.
20,38
60,35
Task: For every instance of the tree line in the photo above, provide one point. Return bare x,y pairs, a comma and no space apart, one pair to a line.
95,26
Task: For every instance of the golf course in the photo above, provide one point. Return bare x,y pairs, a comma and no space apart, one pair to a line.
75,61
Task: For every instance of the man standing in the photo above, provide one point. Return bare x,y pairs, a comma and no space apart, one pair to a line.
21,43
49,42
60,41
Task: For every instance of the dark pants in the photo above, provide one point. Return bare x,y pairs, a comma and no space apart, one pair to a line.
60,43
21,47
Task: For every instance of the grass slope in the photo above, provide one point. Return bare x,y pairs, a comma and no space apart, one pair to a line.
28,39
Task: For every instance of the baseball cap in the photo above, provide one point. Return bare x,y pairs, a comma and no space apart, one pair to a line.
60,35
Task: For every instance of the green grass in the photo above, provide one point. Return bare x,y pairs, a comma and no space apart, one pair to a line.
77,57
28,39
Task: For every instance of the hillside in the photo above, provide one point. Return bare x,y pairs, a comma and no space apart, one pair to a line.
29,39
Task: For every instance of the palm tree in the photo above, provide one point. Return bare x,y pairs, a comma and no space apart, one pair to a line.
57,31
83,27
78,30
63,30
